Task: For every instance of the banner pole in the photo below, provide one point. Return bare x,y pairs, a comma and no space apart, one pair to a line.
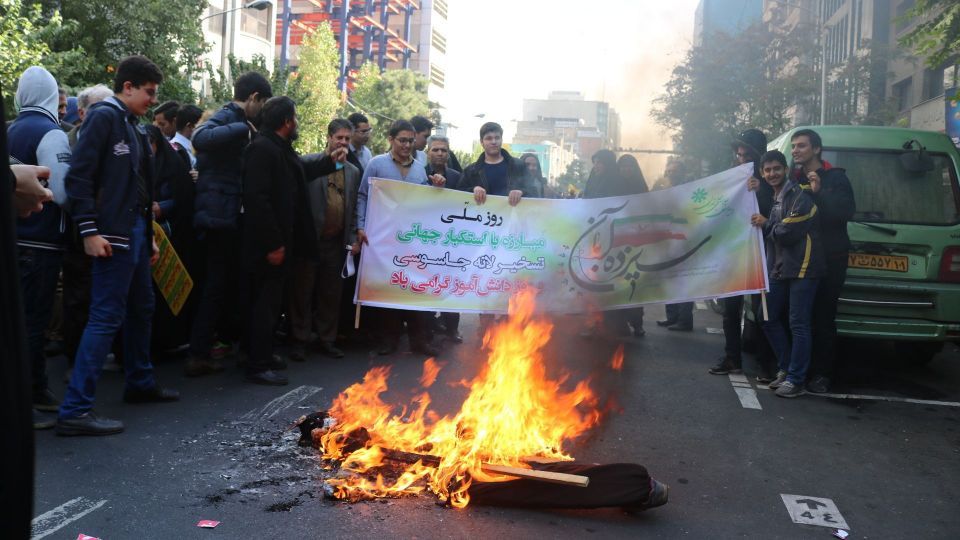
356,318
763,304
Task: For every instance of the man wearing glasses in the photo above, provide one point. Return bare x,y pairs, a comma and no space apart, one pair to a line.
359,154
397,164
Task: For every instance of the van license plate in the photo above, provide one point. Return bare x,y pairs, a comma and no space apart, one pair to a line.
893,263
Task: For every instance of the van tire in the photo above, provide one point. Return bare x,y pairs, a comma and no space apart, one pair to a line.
918,353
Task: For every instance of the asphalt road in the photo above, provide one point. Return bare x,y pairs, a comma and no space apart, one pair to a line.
224,452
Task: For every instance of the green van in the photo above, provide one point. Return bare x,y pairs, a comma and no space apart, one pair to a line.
903,282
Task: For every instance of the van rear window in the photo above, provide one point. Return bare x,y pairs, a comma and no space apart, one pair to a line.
886,193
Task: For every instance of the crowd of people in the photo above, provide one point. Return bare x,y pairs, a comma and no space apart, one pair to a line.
265,232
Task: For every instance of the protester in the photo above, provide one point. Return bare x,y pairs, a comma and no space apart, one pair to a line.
219,143
359,152
795,266
424,128
495,172
680,315
278,228
316,284
36,139
538,182
62,99
187,118
748,146
110,187
71,114
165,118
632,174
833,195
440,175
86,98
397,164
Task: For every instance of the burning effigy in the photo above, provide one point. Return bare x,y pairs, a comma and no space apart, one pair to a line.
504,446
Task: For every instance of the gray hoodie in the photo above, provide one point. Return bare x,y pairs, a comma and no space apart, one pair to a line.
38,92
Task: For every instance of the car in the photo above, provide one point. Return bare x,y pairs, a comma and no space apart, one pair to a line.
903,277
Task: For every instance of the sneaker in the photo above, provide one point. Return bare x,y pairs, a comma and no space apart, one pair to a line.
725,366
819,385
666,322
111,364
46,401
267,378
658,496
220,350
88,424
765,378
780,378
43,421
789,390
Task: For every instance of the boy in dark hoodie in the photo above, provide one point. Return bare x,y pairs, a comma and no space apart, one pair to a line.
36,139
110,190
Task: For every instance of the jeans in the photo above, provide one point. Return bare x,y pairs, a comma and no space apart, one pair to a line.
121,296
39,269
76,298
793,296
825,317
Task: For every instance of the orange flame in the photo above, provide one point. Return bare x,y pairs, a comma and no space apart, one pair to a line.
513,411
617,362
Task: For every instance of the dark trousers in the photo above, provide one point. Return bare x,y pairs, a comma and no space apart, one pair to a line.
825,317
121,296
223,258
264,299
417,325
732,333
39,270
77,266
451,322
681,314
313,294
793,299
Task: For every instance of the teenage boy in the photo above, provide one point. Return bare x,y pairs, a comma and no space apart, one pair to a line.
424,128
110,189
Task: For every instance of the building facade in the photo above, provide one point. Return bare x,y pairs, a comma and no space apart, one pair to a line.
570,121
231,29
728,16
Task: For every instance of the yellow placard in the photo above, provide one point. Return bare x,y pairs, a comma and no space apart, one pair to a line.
169,273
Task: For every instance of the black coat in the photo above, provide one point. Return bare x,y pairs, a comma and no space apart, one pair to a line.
517,176
836,204
276,208
219,142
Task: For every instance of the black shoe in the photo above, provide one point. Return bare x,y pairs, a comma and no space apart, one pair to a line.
268,378
45,401
819,385
724,367
638,331
88,424
680,327
658,496
666,322
454,337
276,363
152,395
298,352
43,421
765,378
328,349
425,349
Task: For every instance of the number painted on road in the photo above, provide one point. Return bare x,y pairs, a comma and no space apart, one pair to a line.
813,511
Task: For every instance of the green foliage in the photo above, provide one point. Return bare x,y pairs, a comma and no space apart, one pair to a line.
764,78
574,179
282,81
936,36
388,96
318,73
465,158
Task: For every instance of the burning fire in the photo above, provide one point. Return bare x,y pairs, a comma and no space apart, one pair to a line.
513,411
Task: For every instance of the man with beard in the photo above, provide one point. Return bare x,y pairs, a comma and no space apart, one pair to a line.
219,143
278,227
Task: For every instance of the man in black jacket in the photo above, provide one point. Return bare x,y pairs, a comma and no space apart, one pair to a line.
495,172
219,143
833,195
278,226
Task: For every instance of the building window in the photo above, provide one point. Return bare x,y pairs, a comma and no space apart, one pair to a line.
950,77
257,22
440,6
903,93
437,76
438,41
933,80
902,8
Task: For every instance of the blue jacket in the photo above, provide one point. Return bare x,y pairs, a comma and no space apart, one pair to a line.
102,182
219,143
35,138
792,234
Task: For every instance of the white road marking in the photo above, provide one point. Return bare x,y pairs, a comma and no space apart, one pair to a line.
888,398
814,511
281,403
50,522
745,391
711,330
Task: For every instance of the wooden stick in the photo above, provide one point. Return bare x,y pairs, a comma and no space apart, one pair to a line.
356,318
763,304
530,474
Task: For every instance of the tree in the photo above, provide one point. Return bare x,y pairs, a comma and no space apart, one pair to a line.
937,36
168,32
318,73
574,179
385,97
